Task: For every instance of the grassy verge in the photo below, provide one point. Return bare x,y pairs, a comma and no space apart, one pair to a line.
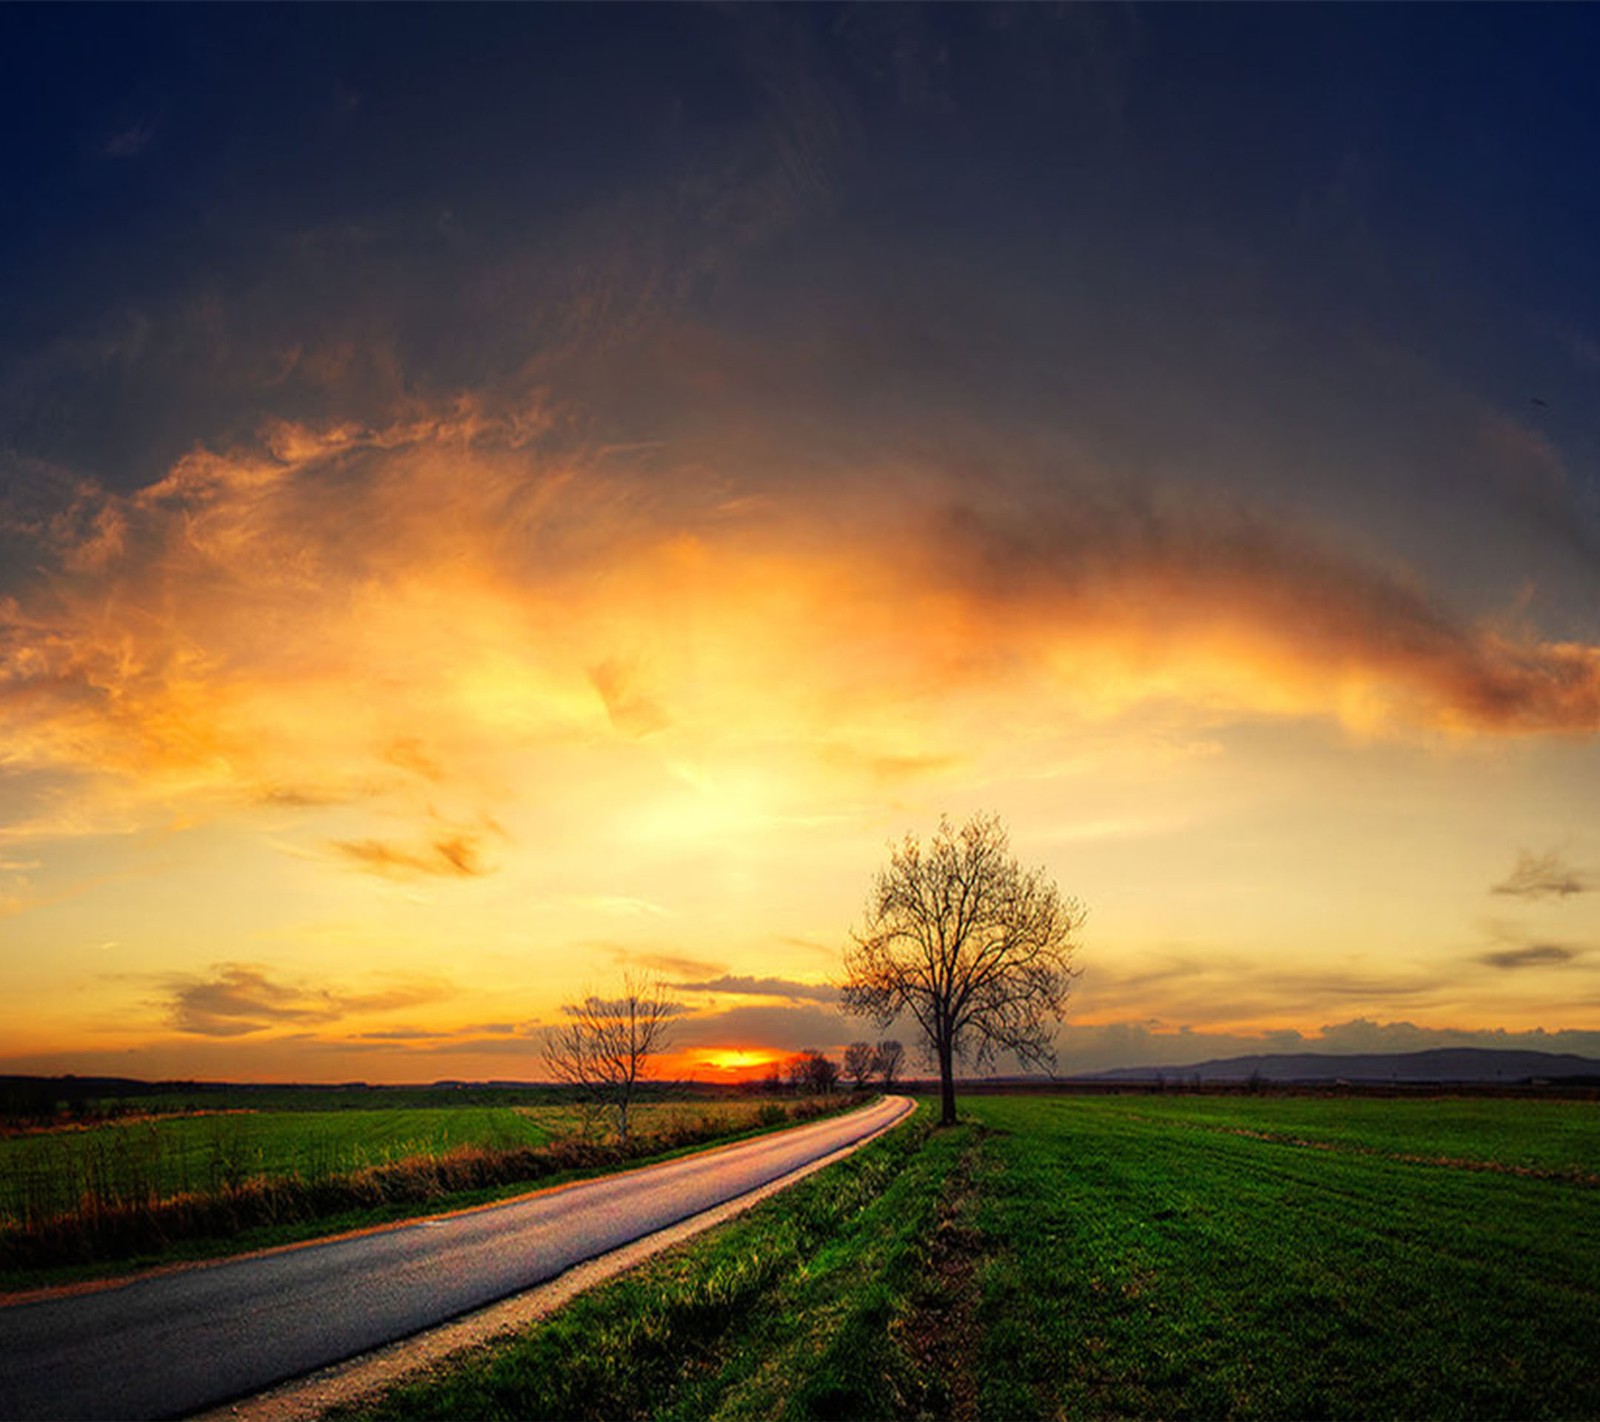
1075,1257
128,1217
790,1310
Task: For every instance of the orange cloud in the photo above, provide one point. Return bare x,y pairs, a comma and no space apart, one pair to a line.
241,998
449,855
397,616
1265,616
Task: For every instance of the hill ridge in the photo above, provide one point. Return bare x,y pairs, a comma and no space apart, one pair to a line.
1431,1064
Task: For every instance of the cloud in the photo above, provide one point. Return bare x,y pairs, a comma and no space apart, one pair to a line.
631,712
1533,956
1263,612
129,142
396,1034
1364,1035
673,964
241,998
476,1032
1538,876
300,797
1219,988
889,769
451,856
1098,1047
391,612
764,987
778,1028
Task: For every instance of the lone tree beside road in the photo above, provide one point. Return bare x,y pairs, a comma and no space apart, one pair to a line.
605,1045
977,950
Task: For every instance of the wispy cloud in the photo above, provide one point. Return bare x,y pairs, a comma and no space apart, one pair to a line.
452,856
1278,617
1535,955
789,1028
292,622
631,712
237,999
1540,876
131,141
674,964
764,987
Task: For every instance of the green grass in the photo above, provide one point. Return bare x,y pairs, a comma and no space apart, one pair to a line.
785,1311
1557,1136
47,1173
1151,1256
1138,1266
115,1197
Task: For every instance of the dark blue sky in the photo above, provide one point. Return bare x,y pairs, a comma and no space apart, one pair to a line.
1426,170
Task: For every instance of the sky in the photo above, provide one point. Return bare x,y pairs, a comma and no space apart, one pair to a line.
497,499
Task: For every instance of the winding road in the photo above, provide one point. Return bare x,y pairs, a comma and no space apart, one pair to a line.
172,1343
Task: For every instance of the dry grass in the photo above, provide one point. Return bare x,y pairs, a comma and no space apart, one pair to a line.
123,1207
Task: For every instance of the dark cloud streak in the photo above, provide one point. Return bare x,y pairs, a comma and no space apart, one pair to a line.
1168,567
1541,876
1535,955
241,998
764,987
454,856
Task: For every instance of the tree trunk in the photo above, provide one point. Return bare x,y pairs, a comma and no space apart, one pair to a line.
947,1085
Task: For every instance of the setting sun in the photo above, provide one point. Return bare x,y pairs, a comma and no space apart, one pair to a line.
738,1062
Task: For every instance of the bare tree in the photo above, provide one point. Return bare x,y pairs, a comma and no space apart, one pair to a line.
814,1072
886,1059
858,1063
977,950
797,1073
823,1072
605,1045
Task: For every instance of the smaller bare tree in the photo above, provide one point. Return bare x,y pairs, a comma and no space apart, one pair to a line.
886,1059
812,1071
605,1045
858,1063
824,1073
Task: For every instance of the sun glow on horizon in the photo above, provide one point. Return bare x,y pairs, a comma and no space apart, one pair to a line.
739,1060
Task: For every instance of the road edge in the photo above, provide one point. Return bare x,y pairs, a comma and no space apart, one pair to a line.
308,1397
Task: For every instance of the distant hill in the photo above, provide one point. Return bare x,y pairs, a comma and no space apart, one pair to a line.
1441,1065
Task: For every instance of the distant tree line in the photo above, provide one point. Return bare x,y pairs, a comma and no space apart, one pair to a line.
815,1073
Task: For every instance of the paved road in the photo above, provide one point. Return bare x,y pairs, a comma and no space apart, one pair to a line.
166,1345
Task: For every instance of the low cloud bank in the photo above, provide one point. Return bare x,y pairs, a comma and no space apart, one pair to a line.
1102,1046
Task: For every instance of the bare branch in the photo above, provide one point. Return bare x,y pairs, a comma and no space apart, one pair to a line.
975,949
605,1046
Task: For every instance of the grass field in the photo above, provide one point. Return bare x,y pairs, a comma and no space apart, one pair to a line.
1131,1256
47,1173
142,1190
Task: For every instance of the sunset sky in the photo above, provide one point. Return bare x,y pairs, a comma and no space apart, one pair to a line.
496,498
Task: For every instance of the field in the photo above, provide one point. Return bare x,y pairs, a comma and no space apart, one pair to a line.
47,1173
144,1188
1131,1256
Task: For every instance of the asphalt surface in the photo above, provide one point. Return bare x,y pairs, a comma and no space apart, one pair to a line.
174,1343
